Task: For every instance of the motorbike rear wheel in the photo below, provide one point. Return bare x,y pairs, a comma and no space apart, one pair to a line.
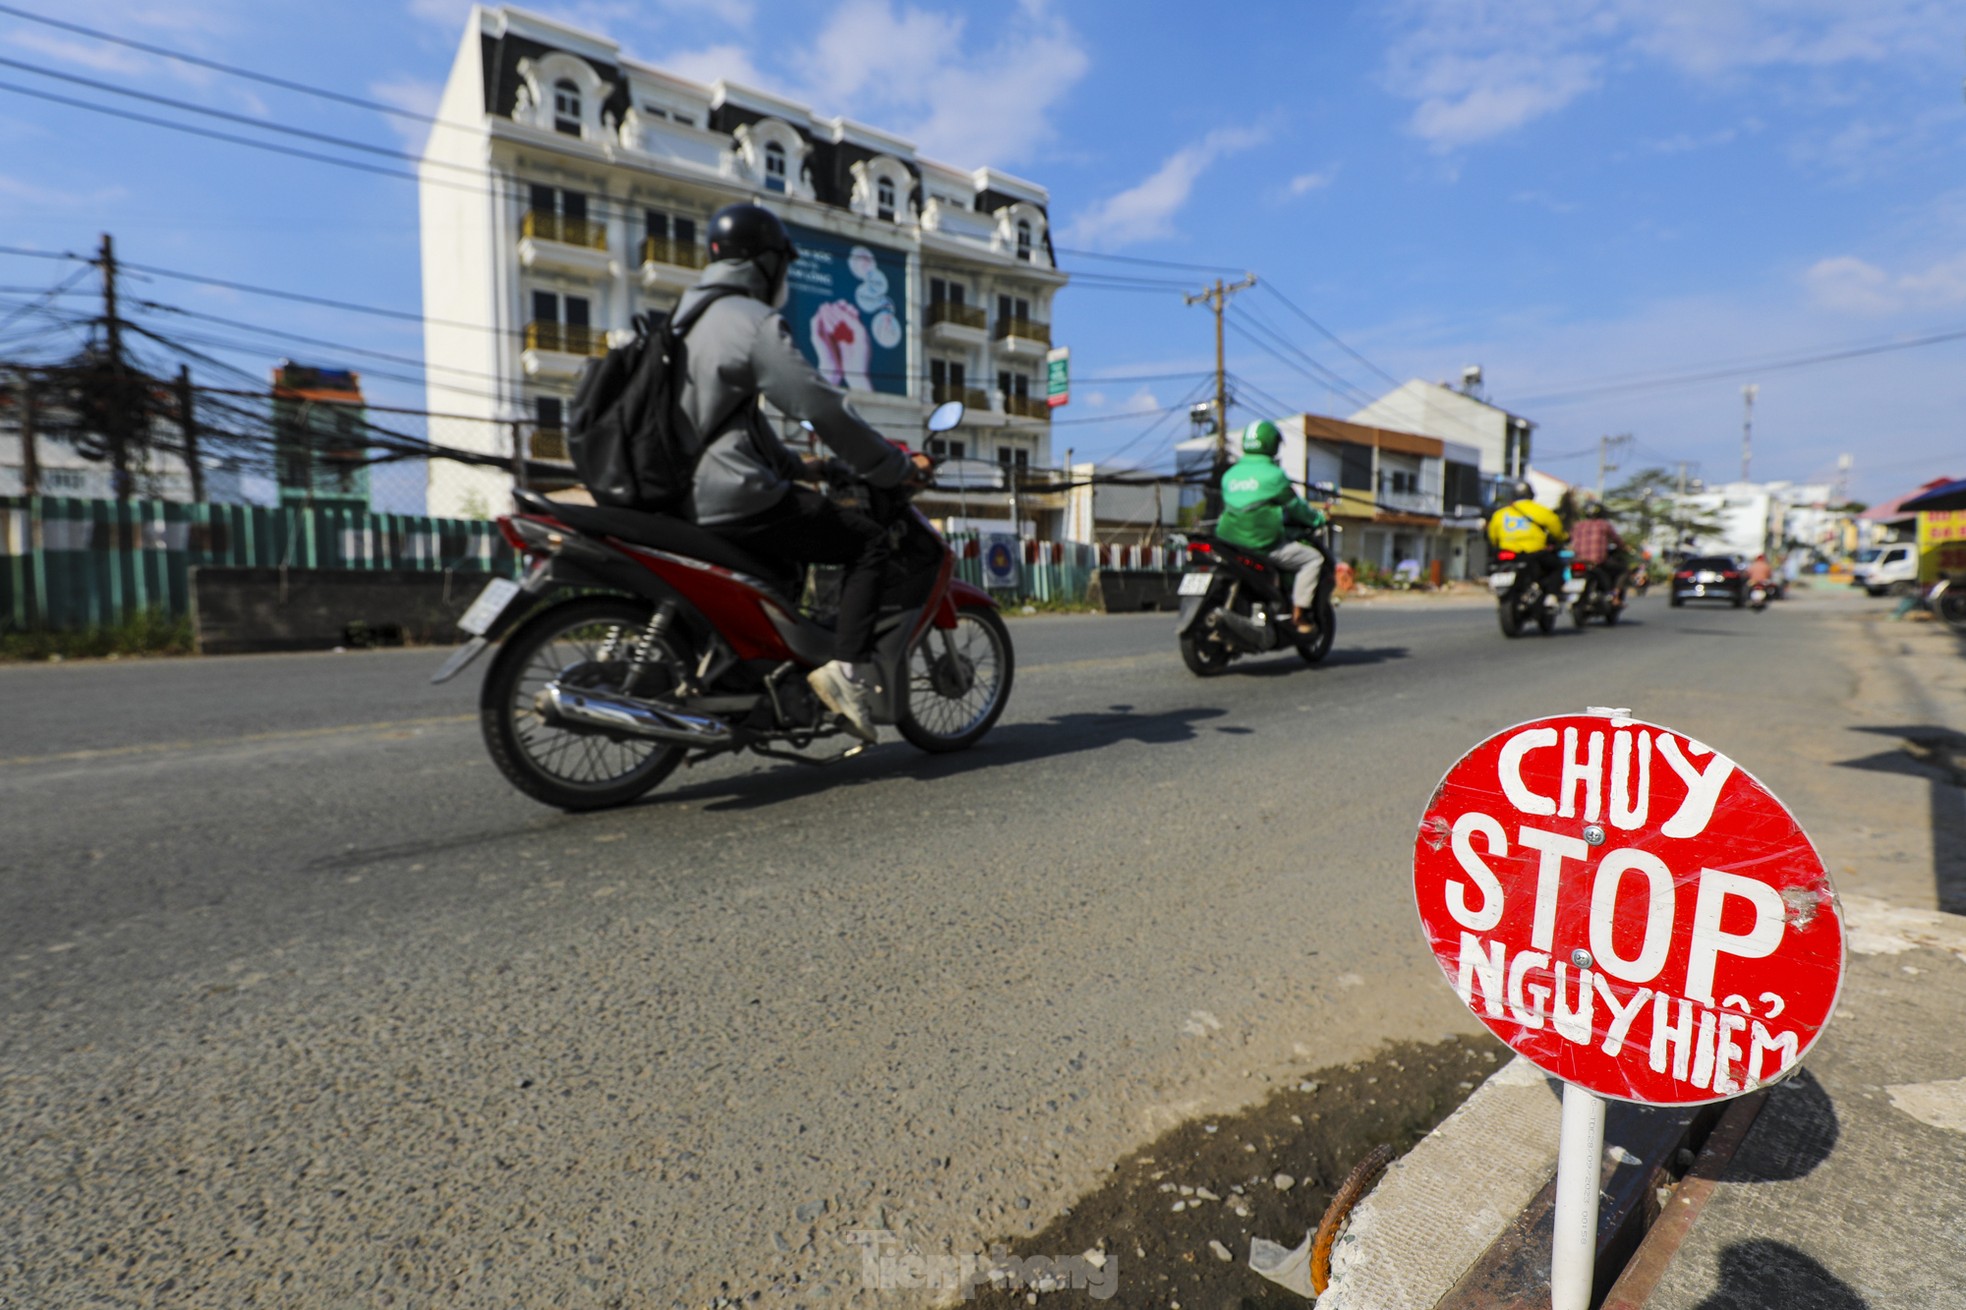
1317,645
1511,619
1545,616
590,643
1952,609
958,682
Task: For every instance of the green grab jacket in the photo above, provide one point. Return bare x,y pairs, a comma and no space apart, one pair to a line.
1257,502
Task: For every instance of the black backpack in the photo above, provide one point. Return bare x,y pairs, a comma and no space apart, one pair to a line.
629,443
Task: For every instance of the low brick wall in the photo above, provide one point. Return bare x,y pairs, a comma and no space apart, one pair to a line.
1130,591
235,610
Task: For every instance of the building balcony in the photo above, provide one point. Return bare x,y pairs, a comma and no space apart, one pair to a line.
570,245
671,265
548,446
1421,503
1023,336
974,399
958,324
561,349
1031,407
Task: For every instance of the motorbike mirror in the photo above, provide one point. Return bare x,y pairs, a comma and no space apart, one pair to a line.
946,416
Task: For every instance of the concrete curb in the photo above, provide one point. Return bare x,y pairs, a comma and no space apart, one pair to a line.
1438,1209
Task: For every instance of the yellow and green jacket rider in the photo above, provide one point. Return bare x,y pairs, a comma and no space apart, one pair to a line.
1525,528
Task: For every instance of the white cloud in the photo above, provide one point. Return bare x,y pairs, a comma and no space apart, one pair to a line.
924,75
415,95
1480,69
728,63
1470,100
1305,183
1145,211
607,17
34,196
1849,285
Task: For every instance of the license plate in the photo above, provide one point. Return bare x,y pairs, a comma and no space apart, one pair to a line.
1707,577
1502,581
491,603
1194,584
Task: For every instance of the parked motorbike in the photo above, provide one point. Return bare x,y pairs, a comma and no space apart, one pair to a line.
1595,600
1539,603
1949,603
1236,602
699,649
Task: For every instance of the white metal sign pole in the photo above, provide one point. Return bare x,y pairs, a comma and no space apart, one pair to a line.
1579,1165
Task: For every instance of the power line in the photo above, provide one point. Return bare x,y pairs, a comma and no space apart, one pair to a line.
234,70
1327,333
1131,259
1317,370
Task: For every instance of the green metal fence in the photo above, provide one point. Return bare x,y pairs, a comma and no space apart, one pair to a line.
68,564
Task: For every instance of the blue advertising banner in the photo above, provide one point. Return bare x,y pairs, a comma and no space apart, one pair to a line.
847,311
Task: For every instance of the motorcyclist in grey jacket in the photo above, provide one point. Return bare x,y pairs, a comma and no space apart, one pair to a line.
747,487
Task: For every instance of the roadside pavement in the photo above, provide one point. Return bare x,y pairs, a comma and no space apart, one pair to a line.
1848,1190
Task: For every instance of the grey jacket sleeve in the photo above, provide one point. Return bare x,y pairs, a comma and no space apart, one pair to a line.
796,389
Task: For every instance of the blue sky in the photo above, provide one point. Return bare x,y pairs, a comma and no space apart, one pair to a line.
1573,195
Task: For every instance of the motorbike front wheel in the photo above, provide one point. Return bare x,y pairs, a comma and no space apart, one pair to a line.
588,643
958,682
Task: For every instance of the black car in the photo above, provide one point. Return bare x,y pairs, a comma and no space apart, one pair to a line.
1710,577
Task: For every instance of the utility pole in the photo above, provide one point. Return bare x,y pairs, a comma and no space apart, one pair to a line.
1748,393
117,410
1217,299
188,424
1682,477
30,456
1606,446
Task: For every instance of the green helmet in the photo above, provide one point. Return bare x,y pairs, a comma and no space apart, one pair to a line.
1261,438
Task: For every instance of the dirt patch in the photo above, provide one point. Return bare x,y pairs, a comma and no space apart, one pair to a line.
1218,1180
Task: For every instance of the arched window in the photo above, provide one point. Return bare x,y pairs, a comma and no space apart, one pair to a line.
774,166
566,107
1024,240
884,200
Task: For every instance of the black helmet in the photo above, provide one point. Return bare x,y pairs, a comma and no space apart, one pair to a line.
1523,491
749,232
1594,510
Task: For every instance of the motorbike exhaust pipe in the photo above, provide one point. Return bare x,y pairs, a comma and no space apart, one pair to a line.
1251,634
637,718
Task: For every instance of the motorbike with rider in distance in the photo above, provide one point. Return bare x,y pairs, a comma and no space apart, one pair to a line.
1236,602
637,642
1539,602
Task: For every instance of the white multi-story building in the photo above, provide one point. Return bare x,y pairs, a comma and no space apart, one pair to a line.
1500,439
567,187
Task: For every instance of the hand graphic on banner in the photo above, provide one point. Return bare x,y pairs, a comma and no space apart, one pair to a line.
843,348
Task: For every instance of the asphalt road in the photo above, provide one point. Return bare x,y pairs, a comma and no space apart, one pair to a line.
305,1006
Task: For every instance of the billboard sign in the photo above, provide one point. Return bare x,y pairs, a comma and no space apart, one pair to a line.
1941,543
847,307
1058,377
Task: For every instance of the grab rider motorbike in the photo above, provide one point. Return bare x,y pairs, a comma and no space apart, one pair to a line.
1254,584
1529,570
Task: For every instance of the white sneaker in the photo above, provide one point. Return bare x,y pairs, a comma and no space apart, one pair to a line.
848,696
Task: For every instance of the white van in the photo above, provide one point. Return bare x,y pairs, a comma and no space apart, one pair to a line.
1890,566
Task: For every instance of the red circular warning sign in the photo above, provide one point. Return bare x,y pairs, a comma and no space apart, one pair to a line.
1629,908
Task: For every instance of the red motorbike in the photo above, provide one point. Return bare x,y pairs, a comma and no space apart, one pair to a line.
638,641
